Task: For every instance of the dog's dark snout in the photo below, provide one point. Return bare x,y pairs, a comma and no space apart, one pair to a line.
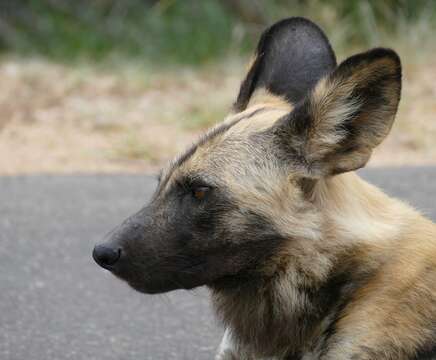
106,256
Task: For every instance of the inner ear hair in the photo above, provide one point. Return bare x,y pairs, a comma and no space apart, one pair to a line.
348,114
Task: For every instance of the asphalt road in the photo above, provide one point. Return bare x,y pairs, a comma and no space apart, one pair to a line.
55,303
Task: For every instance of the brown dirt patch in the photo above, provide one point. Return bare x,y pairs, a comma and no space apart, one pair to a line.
56,119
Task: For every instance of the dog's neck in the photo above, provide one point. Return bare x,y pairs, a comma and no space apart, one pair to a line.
289,310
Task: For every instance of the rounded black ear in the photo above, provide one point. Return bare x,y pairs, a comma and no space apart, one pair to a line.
292,55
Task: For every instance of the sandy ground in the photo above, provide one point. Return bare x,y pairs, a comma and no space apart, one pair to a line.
57,119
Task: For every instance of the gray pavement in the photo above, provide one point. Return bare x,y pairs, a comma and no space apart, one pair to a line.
55,303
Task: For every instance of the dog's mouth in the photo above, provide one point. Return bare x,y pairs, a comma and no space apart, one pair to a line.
163,277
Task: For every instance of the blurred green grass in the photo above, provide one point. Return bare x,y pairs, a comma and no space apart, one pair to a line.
173,32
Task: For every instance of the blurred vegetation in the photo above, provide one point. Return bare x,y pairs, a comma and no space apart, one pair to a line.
136,93
190,31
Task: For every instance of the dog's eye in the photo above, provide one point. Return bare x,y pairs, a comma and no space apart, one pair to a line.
200,192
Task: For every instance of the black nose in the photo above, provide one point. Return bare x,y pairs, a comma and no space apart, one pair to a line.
106,256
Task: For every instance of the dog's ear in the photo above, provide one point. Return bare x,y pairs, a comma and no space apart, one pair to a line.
292,55
348,113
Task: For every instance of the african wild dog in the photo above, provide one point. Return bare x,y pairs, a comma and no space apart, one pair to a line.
304,259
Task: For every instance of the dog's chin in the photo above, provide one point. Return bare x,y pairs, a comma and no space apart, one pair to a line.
150,289
161,286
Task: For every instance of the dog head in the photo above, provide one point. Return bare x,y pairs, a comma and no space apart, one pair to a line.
227,204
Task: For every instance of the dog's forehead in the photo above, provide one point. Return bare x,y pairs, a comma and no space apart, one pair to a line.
221,143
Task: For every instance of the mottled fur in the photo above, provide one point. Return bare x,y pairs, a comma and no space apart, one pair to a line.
365,286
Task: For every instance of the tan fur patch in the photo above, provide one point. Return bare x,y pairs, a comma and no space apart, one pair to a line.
263,97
